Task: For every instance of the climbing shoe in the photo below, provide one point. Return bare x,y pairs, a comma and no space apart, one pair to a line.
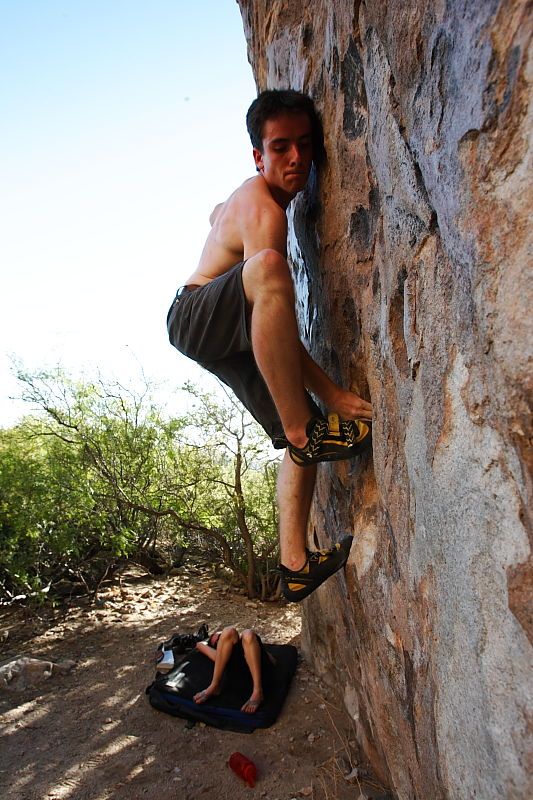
319,566
332,440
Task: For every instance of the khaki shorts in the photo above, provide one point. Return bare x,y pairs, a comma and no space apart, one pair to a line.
211,325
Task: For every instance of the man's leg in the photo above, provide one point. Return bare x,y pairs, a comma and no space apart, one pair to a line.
295,492
302,571
226,642
283,362
276,345
277,350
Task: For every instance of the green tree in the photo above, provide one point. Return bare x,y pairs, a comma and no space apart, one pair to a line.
239,460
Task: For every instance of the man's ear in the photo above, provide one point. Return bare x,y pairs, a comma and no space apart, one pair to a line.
258,158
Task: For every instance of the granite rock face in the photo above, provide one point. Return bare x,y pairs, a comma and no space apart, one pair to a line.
410,256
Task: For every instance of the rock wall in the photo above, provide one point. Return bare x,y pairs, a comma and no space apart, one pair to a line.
410,257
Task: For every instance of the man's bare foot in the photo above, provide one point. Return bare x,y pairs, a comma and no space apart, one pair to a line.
253,703
205,694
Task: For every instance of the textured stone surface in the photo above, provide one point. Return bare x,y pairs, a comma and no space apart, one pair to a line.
410,255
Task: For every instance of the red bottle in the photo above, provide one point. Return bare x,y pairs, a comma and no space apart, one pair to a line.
244,768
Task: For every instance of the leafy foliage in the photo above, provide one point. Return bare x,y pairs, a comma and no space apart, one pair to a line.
98,475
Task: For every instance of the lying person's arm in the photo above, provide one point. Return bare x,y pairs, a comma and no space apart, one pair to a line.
208,651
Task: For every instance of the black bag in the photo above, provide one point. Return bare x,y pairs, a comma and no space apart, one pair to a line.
174,691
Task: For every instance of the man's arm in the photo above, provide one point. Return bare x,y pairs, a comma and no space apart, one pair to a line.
347,404
214,214
316,380
264,228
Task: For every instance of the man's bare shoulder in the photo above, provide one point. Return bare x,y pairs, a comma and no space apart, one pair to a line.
250,202
253,199
248,194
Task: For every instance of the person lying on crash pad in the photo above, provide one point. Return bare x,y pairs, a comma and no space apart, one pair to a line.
237,657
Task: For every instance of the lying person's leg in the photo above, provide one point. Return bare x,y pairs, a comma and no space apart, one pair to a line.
226,642
252,654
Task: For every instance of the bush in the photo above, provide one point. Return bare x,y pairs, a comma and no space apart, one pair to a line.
99,476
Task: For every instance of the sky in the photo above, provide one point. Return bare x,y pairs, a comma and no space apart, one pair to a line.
123,125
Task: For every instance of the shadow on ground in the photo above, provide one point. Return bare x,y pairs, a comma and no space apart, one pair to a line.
92,735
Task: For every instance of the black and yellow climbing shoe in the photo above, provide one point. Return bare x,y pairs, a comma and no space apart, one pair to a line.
332,440
319,566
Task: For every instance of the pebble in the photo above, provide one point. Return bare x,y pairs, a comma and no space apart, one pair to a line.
352,775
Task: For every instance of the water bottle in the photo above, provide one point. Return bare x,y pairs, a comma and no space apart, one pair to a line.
244,768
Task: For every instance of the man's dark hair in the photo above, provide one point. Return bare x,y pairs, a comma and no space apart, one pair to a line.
273,102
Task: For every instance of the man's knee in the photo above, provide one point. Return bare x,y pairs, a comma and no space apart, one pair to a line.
268,269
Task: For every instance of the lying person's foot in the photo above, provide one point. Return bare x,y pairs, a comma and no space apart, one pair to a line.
253,703
320,564
332,440
205,694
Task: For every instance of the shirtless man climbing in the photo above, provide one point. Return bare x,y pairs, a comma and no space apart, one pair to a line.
236,317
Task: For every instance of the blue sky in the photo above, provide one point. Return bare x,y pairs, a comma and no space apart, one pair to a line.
123,125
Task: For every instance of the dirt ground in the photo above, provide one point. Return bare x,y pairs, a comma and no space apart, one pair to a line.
91,734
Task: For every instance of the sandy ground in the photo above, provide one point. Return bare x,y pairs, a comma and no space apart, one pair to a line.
91,734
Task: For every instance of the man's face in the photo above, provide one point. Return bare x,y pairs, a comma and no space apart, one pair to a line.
287,152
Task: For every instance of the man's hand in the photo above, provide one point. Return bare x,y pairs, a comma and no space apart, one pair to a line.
349,405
